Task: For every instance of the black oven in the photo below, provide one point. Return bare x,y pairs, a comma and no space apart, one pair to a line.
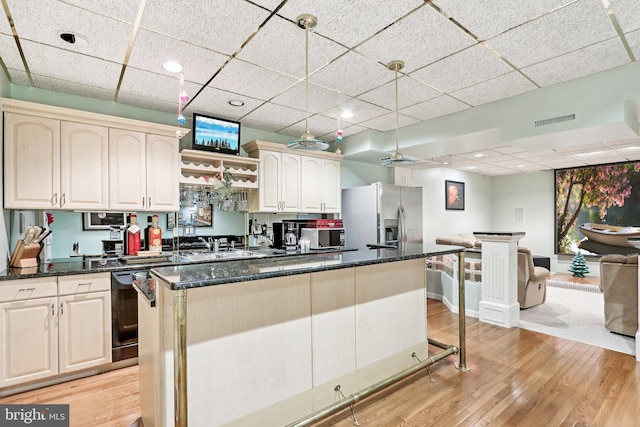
124,316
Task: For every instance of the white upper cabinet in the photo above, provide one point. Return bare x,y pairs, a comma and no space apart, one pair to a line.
295,182
84,166
31,162
128,169
163,173
57,158
321,185
279,183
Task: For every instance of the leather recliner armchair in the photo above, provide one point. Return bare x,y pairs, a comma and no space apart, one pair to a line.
532,280
619,284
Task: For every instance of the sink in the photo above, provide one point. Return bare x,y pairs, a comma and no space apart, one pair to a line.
226,255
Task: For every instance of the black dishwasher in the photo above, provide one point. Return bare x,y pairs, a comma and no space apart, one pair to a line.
124,315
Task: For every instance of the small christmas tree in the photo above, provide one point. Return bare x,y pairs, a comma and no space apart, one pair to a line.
578,266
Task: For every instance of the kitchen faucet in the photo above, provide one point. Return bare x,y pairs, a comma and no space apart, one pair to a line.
207,244
214,243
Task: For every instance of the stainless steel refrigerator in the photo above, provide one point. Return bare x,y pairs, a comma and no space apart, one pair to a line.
381,214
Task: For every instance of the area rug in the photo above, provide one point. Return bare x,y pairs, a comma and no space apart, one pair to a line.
576,315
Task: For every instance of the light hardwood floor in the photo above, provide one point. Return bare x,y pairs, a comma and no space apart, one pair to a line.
517,378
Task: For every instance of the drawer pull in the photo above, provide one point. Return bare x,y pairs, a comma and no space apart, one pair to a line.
26,289
85,284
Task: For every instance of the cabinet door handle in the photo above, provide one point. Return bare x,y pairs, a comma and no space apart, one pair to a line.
61,308
55,199
53,309
63,200
143,205
149,203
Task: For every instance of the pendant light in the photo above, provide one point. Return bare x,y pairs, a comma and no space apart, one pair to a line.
397,159
307,141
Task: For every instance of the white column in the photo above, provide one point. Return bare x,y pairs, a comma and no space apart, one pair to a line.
638,331
499,302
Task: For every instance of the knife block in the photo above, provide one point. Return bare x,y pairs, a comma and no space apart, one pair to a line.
26,256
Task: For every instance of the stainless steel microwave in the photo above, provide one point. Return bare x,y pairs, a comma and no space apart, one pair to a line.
324,238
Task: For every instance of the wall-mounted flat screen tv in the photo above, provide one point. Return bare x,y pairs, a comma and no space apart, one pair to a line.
597,209
215,134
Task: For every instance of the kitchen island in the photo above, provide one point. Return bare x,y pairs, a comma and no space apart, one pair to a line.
268,341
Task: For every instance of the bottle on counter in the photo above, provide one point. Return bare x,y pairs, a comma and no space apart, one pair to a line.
132,236
155,235
147,241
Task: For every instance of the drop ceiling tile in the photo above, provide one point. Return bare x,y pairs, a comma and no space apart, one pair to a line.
151,50
419,39
531,153
319,126
335,17
320,98
62,86
220,25
162,87
630,153
388,122
278,116
599,160
362,111
265,126
624,143
410,92
462,69
510,149
352,74
9,53
148,103
215,102
626,11
486,18
108,38
269,4
633,38
492,90
246,79
280,46
573,27
437,107
71,66
19,77
581,148
590,60
122,10
350,130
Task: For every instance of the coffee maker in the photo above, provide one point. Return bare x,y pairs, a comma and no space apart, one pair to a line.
285,235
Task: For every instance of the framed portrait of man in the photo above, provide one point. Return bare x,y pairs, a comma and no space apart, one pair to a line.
454,195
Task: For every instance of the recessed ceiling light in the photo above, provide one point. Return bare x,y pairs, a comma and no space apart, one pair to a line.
590,153
236,102
470,167
478,155
346,115
172,67
520,166
74,38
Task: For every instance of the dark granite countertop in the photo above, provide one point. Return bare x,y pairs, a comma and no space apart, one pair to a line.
78,265
208,274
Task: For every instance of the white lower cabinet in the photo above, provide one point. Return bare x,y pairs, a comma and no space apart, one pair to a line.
28,340
52,326
84,331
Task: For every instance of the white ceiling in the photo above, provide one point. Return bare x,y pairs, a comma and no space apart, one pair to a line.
458,55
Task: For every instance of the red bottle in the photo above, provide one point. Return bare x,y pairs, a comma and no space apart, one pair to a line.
133,236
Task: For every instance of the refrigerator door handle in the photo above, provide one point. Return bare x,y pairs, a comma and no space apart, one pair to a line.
402,224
